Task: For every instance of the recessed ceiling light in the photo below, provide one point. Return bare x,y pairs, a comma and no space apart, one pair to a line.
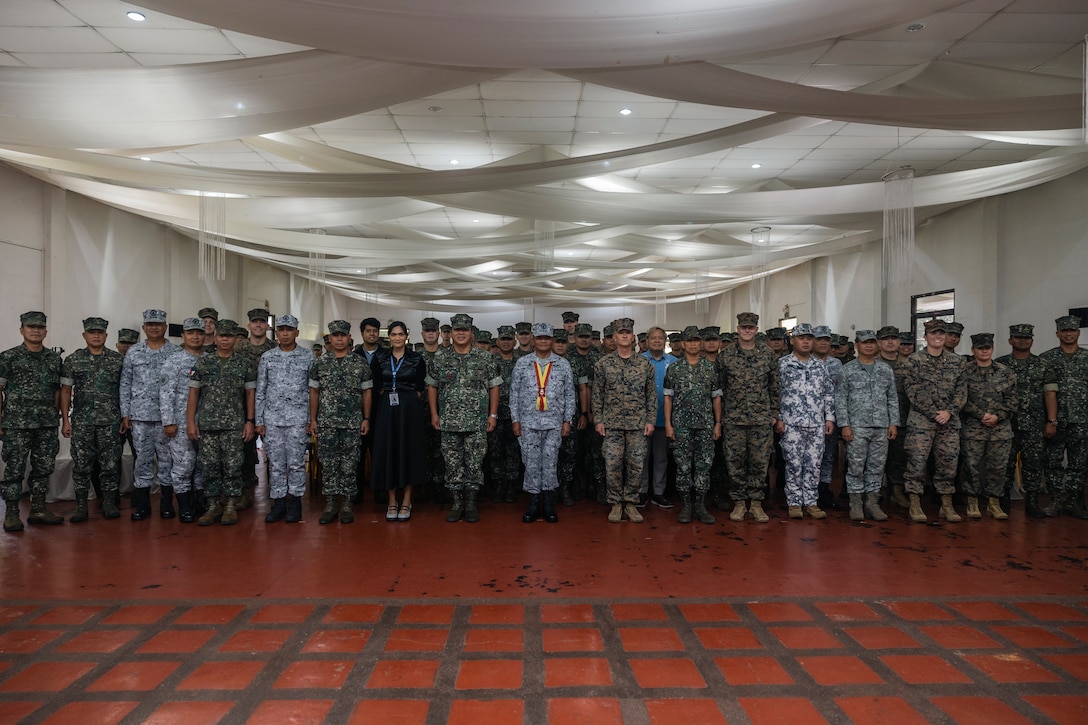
434,109
145,158
757,166
135,16
915,27
358,271
454,162
626,111
475,221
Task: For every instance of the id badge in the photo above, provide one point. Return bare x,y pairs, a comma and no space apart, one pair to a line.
394,399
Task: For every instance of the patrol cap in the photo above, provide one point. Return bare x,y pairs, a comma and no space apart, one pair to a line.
208,312
257,313
761,337
803,329
475,331
776,333
623,324
887,331
95,324
691,332
325,338
522,327
596,334
865,336
446,328
316,346
543,329
729,337
461,321
154,316
560,335
675,336
747,319
32,319
339,327
823,331
836,340
192,323
907,338
935,325
642,337
506,332
130,336
583,329
483,336
226,327
1068,322
713,332
982,339
570,317
429,324
953,328
609,330
1022,330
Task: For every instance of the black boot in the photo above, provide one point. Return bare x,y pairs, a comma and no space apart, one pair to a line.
277,513
498,491
534,509
185,508
564,494
294,510
548,498
1073,505
511,492
472,514
166,502
824,498
1031,505
141,504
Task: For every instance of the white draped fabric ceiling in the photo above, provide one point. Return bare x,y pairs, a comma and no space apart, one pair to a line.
84,129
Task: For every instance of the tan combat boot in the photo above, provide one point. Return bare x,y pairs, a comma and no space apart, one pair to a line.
994,509
756,509
948,511
633,513
871,506
740,509
230,511
815,512
972,508
211,513
916,513
616,514
796,512
856,511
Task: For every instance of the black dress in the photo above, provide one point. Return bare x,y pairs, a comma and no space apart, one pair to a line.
399,458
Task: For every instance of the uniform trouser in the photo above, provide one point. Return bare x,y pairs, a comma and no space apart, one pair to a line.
944,444
41,446
185,474
694,455
568,457
719,479
623,449
589,452
96,444
250,461
827,462
540,453
436,469
896,465
985,460
285,449
1071,442
658,460
464,453
151,445
339,450
221,456
747,451
802,451
1030,446
503,452
865,459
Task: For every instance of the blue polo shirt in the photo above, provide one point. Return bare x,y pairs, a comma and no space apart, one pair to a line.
659,380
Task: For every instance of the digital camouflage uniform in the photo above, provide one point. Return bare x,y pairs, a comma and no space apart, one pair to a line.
463,383
253,354
174,379
866,401
807,403
541,430
503,450
589,471
568,448
340,382
625,401
1028,444
30,382
96,417
140,379
221,418
831,442
1071,442
933,384
692,389
283,408
750,402
896,465
990,389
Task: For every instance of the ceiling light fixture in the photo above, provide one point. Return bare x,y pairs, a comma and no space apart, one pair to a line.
626,111
434,109
145,158
475,221
757,166
135,16
454,162
915,27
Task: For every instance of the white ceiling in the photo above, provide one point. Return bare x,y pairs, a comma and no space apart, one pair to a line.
538,115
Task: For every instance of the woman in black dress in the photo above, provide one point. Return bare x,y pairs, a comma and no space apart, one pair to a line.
399,460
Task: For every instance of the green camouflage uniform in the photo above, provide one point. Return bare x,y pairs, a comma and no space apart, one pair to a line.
692,389
1032,373
625,401
340,382
29,382
252,353
432,440
896,465
503,451
221,417
590,460
96,417
933,383
990,389
1071,374
750,402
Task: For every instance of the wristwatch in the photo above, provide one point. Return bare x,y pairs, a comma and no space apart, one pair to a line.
1053,422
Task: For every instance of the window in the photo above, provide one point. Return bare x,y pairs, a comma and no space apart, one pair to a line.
941,305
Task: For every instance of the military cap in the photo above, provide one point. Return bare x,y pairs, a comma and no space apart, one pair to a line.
446,328
836,340
257,313
35,319
475,331
623,323
240,331
711,333
325,338
954,328
192,323
887,331
1068,322
506,331
583,329
907,338
128,335
92,324
428,324
747,319
483,336
523,327
542,329
935,325
570,317
642,337
461,321
729,337
154,315
561,335
226,327
675,337
1022,330
287,321
596,334
761,337
691,332
776,333
208,312
316,346
982,339
864,336
823,331
803,329
609,330
339,327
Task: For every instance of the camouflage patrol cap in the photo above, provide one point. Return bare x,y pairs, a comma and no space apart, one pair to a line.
523,327
761,337
208,312
154,316
887,331
325,338
824,331
287,321
675,336
129,336
483,336
982,339
865,336
583,329
837,340
1067,322
747,319
570,317
729,337
623,324
713,332
935,325
475,331
95,324
776,333
192,323
691,332
226,327
506,332
609,330
32,319
1022,330
642,337
339,327
257,313
953,328
907,338
461,321
316,346
446,328
429,324
803,329
543,329
596,334
560,335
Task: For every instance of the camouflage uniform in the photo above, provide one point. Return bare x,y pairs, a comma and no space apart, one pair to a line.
503,449
807,403
990,389
866,401
1032,373
568,448
432,441
463,383
933,383
541,430
831,442
692,389
750,403
590,467
29,382
625,401
253,354
96,417
896,465
340,382
174,379
1071,375
283,408
222,384
140,404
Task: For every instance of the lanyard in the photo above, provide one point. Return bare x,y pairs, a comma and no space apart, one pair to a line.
395,366
542,375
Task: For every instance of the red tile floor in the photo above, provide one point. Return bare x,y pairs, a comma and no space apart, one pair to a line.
583,621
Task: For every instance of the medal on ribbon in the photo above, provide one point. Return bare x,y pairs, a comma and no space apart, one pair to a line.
542,374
